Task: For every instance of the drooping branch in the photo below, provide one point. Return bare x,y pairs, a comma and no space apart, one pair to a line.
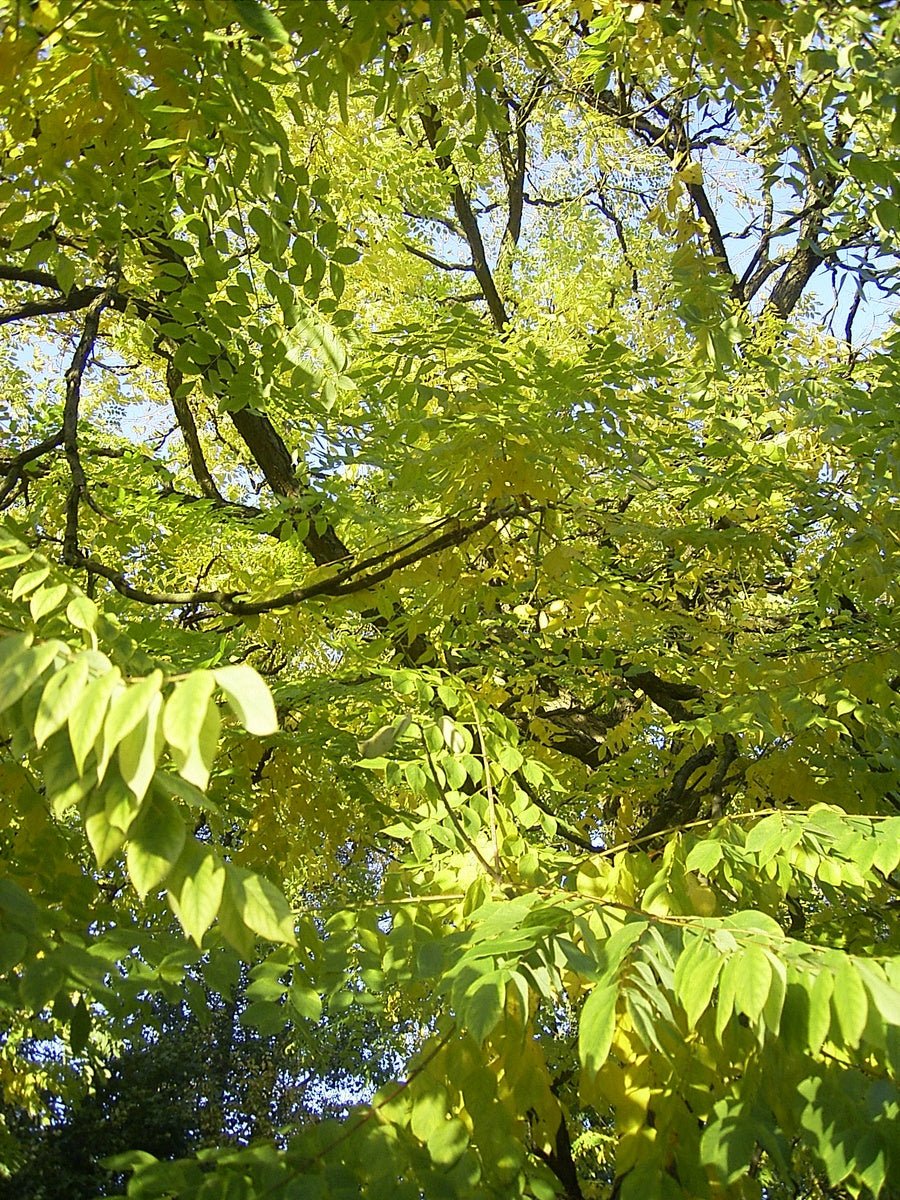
357,576
603,206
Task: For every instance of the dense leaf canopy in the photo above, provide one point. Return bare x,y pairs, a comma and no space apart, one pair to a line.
448,626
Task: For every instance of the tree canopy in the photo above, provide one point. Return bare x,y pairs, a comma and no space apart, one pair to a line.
448,626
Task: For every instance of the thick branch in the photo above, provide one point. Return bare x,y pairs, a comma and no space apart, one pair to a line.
75,301
676,805
273,458
668,696
469,223
796,275
513,146
26,275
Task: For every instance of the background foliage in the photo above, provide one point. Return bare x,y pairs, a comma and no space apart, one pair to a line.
448,640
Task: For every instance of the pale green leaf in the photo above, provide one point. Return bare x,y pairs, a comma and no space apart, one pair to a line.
819,1019
62,692
482,1005
704,856
429,1112
105,838
46,599
24,670
82,612
884,996
597,1026
249,698
140,749
849,1001
754,981
191,726
29,581
777,992
448,1142
728,986
696,972
887,855
86,719
262,907
126,710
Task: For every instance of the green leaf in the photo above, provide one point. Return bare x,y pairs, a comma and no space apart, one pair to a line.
12,645
619,943
46,599
249,698
126,710
597,1026
819,1019
140,749
231,926
849,1001
82,612
727,1142
105,838
29,581
259,19
483,1004
23,670
885,998
121,804
195,889
262,907
728,985
887,855
155,843
86,720
265,1017
62,692
65,273
754,979
696,973
775,1000
704,856
305,1000
191,726
448,1142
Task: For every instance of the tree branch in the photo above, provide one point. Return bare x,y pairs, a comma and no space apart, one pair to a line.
16,465
468,221
188,427
356,577
437,262
74,376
